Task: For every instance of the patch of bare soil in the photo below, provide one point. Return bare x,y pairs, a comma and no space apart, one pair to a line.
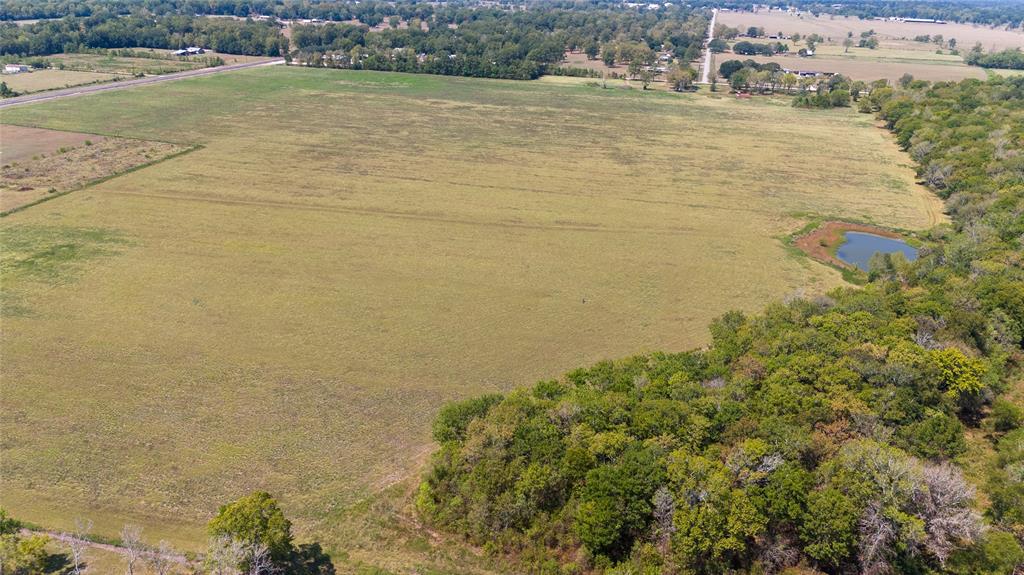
822,241
67,167
18,143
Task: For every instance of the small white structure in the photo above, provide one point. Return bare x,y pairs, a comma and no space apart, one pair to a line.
15,68
190,51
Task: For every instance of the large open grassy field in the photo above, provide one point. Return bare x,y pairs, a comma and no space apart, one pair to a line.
287,307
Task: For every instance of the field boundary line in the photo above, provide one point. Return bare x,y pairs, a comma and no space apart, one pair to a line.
97,181
407,216
3,122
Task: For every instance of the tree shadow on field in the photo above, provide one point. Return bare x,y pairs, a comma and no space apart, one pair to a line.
57,563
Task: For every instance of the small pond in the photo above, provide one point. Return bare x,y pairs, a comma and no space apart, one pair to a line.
859,247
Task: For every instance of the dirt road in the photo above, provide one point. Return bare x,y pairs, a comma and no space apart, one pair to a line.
66,539
81,90
706,68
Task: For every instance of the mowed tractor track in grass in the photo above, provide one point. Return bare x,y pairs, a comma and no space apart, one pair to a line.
287,307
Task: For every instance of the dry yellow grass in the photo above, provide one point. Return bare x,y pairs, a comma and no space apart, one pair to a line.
866,69
835,28
56,169
287,307
898,53
39,80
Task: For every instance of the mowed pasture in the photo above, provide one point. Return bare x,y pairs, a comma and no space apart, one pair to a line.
287,307
40,80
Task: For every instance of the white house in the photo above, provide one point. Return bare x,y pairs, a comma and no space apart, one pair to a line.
15,68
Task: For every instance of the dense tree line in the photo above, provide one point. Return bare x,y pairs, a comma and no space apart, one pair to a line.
759,48
501,44
372,12
1009,59
452,40
144,30
823,432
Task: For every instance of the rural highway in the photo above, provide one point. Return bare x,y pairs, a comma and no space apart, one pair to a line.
707,49
81,90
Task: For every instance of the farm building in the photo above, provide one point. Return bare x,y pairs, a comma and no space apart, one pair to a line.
808,73
15,68
190,51
911,20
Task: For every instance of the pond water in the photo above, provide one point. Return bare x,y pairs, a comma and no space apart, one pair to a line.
859,247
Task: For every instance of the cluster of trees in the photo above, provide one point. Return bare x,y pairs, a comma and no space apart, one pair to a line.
868,40
681,78
729,67
769,78
821,432
1010,59
759,49
937,39
811,41
144,30
22,554
501,44
811,92
250,536
834,91
638,53
726,32
751,77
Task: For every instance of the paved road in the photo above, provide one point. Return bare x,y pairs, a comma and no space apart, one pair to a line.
707,49
80,90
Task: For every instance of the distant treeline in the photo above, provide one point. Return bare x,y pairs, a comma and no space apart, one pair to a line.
451,40
993,12
107,30
495,43
1010,59
370,12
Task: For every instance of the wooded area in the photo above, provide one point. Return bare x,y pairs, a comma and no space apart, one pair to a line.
821,430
